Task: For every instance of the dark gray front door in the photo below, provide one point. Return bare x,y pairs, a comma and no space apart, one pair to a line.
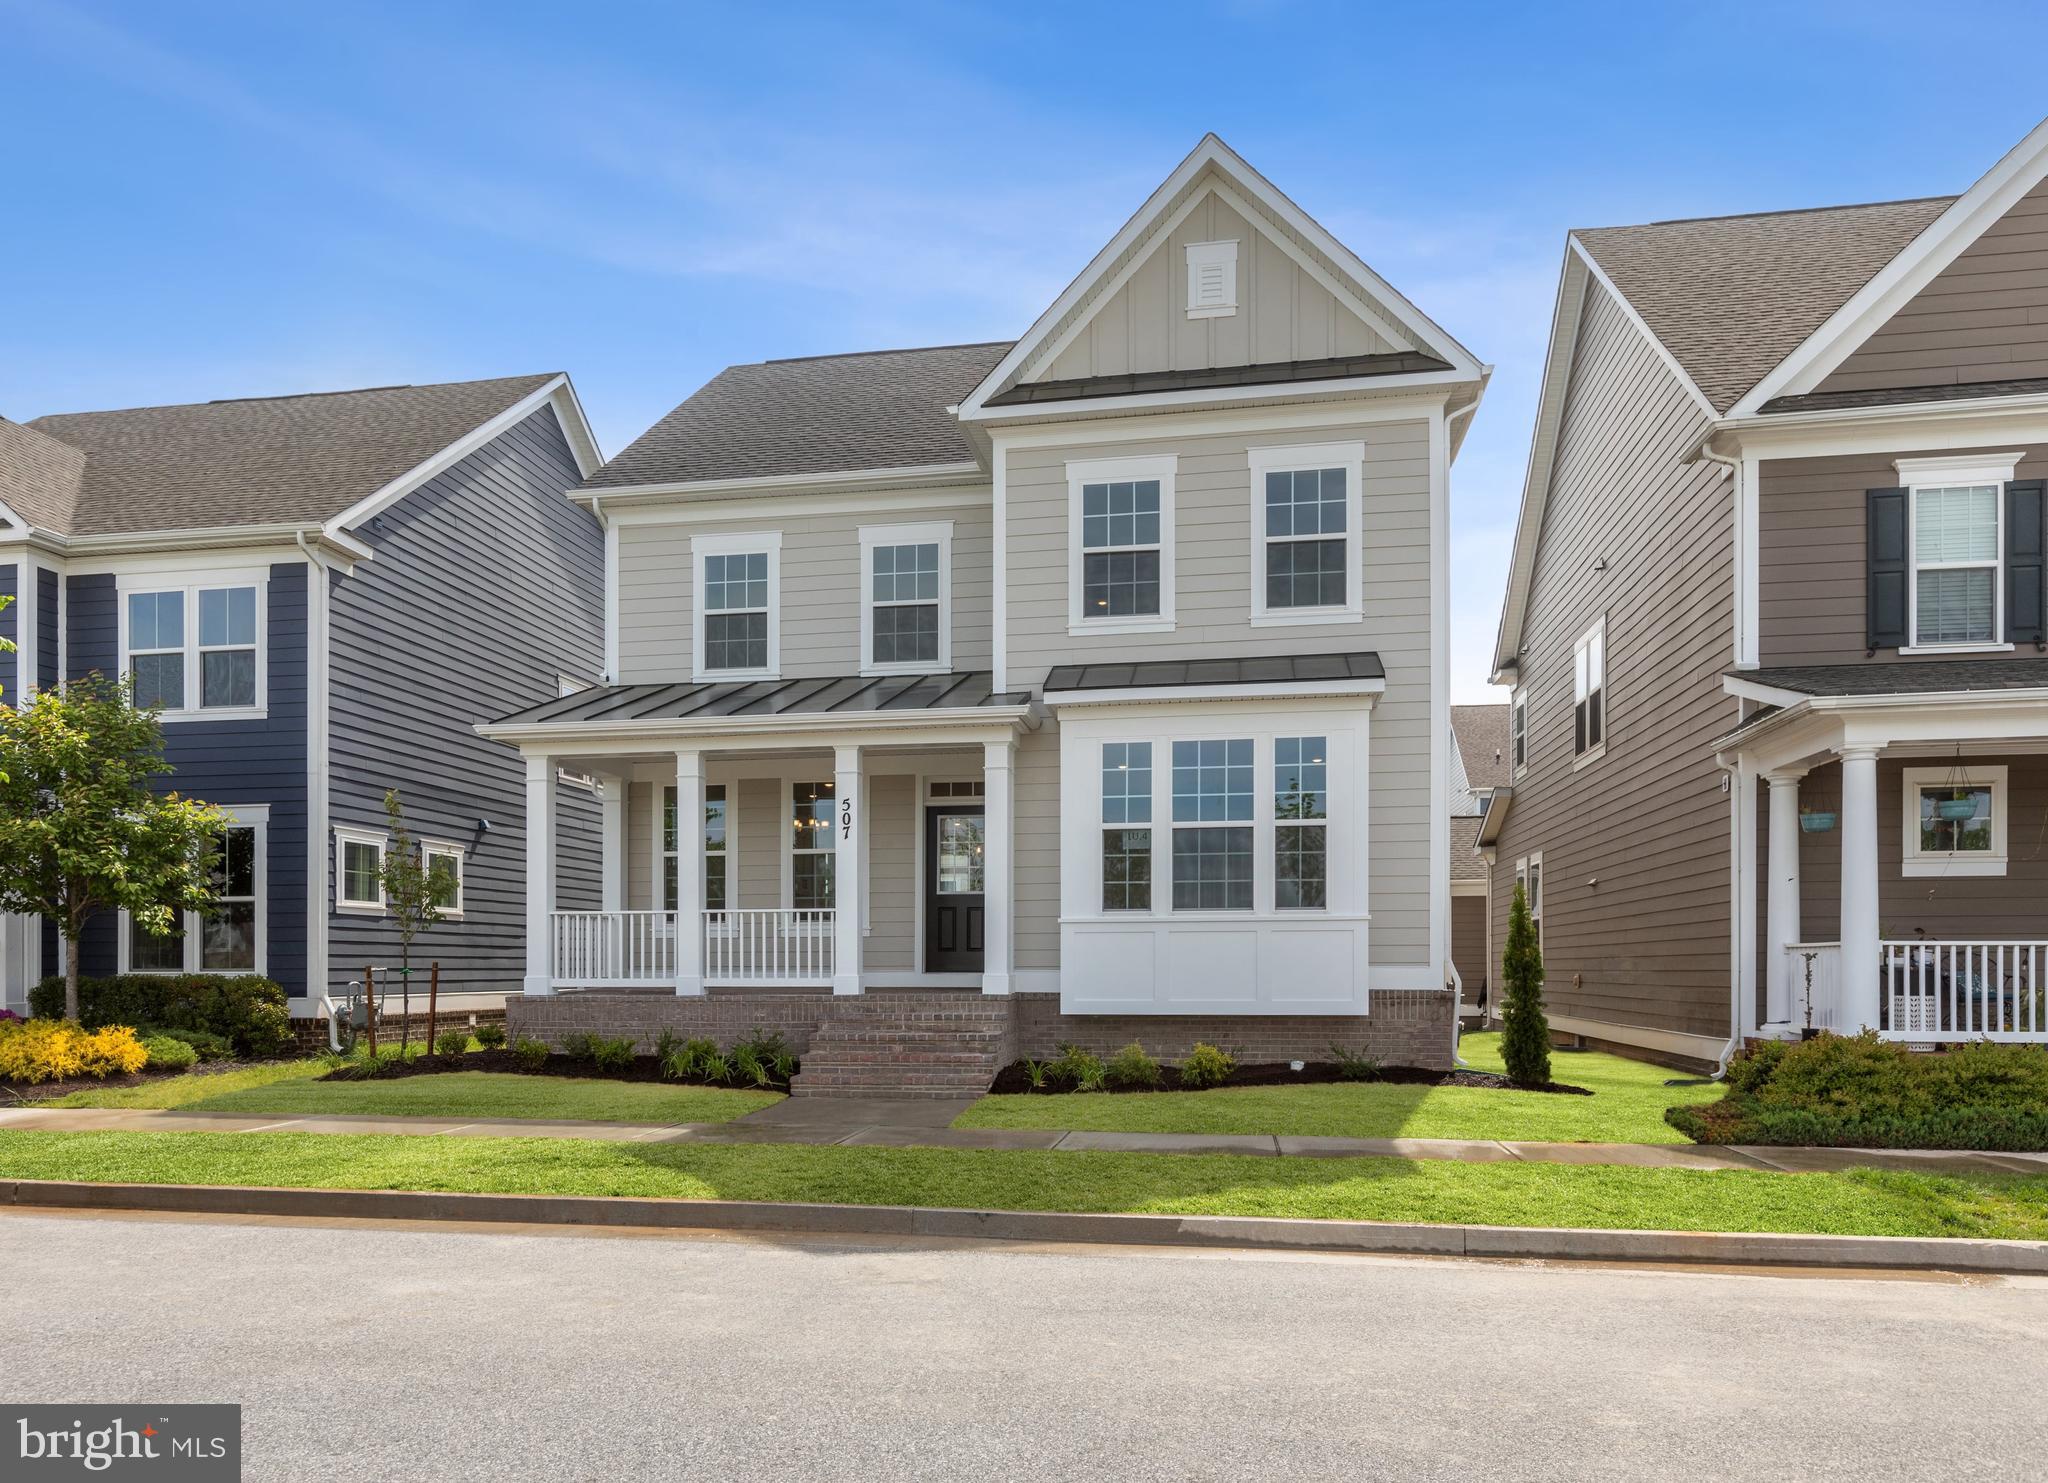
954,860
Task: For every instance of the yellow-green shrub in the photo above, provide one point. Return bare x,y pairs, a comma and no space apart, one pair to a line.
52,1050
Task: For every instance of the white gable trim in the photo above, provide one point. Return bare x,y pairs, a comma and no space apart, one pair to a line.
557,390
1212,151
1940,244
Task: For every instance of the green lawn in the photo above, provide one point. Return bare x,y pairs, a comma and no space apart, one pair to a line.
1627,1106
290,1088
1864,1202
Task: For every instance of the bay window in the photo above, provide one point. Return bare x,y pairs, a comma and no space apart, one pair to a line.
1212,825
1301,811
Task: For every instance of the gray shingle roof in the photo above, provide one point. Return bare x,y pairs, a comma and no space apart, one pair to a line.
1903,677
692,701
39,476
1466,865
881,409
1281,669
265,460
1731,296
1482,733
1894,396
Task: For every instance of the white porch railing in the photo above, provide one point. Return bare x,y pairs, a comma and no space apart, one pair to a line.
637,949
614,949
1933,991
768,948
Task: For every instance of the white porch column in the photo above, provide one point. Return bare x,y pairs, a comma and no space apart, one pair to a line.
611,793
998,898
1781,923
1859,890
846,857
540,874
689,871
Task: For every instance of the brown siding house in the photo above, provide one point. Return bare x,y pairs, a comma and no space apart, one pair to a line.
1777,627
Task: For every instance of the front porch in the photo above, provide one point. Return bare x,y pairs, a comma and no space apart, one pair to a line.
1897,877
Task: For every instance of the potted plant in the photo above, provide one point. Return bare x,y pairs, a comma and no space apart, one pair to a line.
1816,820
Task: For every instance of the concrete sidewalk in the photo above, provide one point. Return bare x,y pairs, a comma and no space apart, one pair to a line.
859,1123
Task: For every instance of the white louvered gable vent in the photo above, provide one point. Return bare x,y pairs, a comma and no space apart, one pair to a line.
1212,279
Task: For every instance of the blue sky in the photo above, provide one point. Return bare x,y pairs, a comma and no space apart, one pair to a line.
248,199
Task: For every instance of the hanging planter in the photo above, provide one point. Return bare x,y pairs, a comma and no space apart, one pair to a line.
1957,809
1816,821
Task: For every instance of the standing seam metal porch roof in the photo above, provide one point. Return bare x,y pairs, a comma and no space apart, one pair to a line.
1282,669
849,695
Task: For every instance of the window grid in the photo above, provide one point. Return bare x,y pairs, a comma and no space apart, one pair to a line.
227,647
194,648
1213,867
714,848
1305,566
736,611
1120,549
1126,853
1301,810
811,848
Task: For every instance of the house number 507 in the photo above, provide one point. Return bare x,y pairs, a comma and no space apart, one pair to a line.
846,818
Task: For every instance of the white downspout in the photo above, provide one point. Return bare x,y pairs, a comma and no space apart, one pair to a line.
317,681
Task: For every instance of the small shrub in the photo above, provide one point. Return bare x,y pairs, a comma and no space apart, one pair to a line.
1206,1066
451,1042
747,1066
207,1045
581,1046
529,1055
243,1008
40,1050
490,1035
1082,1070
613,1055
167,1054
1130,1069
1035,1073
714,1069
666,1044
685,1060
1354,1065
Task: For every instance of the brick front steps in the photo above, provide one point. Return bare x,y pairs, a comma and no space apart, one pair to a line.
906,1045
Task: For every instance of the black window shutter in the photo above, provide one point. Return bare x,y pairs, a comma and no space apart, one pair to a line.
2026,561
1885,605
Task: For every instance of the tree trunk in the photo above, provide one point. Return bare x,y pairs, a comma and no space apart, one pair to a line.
433,999
71,976
405,999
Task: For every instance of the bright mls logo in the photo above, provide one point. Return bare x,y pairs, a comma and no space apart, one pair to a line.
166,1444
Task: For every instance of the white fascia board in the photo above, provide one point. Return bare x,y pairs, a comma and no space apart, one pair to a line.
2027,708
909,477
581,443
586,735
1918,264
1177,694
1978,422
89,554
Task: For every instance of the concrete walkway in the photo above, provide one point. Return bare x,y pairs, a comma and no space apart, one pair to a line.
861,1123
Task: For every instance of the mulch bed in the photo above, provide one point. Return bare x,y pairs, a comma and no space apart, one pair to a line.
1011,1079
644,1068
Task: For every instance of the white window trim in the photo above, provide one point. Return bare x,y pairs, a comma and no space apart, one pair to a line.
343,837
736,544
1918,474
1913,862
1518,706
789,850
1349,457
662,794
1596,633
1111,470
927,533
446,849
191,584
254,816
1272,787
1151,826
1202,255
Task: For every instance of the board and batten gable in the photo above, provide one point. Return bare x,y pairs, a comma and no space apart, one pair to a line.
1982,318
1283,313
1634,843
820,578
1214,562
254,762
484,592
1812,547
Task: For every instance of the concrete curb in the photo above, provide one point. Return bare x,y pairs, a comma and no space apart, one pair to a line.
1224,1231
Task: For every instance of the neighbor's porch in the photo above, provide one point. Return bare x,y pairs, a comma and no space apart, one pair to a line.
862,862
1900,855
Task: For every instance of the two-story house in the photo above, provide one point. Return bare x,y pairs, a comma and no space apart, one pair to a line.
1775,626
1091,683
322,595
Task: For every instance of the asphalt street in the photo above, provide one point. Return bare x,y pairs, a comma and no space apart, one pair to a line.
432,1352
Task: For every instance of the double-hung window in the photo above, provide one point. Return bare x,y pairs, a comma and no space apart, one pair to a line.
1529,876
1518,732
229,938
1301,813
1956,564
1213,791
811,850
738,597
1306,511
195,649
714,848
359,871
906,578
1127,826
1120,561
444,872
1589,693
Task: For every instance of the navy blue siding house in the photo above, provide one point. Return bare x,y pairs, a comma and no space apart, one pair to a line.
323,594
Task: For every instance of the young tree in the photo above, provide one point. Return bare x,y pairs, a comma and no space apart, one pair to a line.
1524,1031
81,832
414,895
6,647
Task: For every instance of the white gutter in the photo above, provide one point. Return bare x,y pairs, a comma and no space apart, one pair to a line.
317,693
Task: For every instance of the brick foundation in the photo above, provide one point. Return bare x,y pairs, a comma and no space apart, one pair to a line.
311,1034
1405,1027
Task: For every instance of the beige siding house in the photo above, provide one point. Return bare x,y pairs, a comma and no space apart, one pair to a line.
1775,627
1083,687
